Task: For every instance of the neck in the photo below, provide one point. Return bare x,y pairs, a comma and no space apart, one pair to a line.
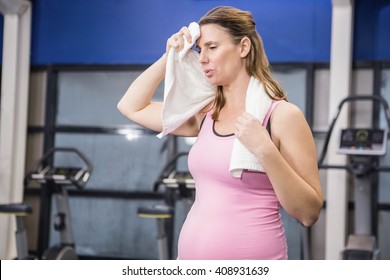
235,92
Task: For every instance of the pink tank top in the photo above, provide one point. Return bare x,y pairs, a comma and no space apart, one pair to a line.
231,218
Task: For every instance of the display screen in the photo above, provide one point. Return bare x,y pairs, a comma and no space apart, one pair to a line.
363,142
361,138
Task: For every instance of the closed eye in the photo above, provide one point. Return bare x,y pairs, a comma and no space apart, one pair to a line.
209,46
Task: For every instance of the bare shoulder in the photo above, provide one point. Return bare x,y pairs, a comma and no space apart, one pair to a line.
286,110
202,113
287,119
192,126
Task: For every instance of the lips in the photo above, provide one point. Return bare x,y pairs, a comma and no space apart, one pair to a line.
208,72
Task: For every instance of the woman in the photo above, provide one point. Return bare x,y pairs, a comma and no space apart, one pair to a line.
236,218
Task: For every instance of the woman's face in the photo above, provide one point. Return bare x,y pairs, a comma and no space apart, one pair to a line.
219,56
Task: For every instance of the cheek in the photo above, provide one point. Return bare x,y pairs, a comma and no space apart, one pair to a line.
228,67
228,61
222,62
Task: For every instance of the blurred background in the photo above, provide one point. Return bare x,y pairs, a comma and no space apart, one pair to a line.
66,64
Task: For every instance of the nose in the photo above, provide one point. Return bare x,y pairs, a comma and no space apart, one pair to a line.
202,57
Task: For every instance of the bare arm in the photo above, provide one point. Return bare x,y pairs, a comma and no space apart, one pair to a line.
289,159
136,103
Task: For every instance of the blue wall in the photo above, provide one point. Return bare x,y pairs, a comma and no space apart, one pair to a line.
372,30
135,31
1,36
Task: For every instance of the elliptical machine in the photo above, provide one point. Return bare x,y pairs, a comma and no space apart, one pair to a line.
364,147
178,185
55,180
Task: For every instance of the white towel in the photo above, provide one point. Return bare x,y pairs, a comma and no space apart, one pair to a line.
257,103
187,89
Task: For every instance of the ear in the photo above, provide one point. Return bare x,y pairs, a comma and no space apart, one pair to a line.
245,46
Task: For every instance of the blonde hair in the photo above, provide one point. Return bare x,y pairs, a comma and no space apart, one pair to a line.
239,24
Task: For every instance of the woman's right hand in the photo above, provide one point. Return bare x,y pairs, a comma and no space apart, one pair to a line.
176,41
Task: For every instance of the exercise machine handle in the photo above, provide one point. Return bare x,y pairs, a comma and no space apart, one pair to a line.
357,169
168,168
80,183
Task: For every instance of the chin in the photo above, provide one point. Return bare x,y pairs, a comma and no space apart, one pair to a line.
215,82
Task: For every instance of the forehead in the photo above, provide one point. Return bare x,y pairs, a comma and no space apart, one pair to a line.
212,33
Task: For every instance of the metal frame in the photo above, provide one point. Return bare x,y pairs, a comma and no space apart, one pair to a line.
13,112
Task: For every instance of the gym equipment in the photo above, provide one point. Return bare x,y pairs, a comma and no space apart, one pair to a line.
19,210
161,213
178,185
56,179
363,146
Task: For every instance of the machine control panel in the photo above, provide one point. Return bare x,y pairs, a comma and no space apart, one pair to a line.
363,141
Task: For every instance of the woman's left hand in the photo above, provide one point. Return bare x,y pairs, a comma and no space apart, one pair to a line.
251,133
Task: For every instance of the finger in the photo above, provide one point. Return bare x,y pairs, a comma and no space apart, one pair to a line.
238,129
241,119
247,116
176,42
184,31
237,132
173,42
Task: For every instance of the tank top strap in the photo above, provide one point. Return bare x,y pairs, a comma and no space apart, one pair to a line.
270,110
206,119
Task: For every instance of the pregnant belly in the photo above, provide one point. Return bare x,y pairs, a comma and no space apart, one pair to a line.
232,237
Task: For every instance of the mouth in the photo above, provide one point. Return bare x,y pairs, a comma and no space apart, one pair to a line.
208,72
